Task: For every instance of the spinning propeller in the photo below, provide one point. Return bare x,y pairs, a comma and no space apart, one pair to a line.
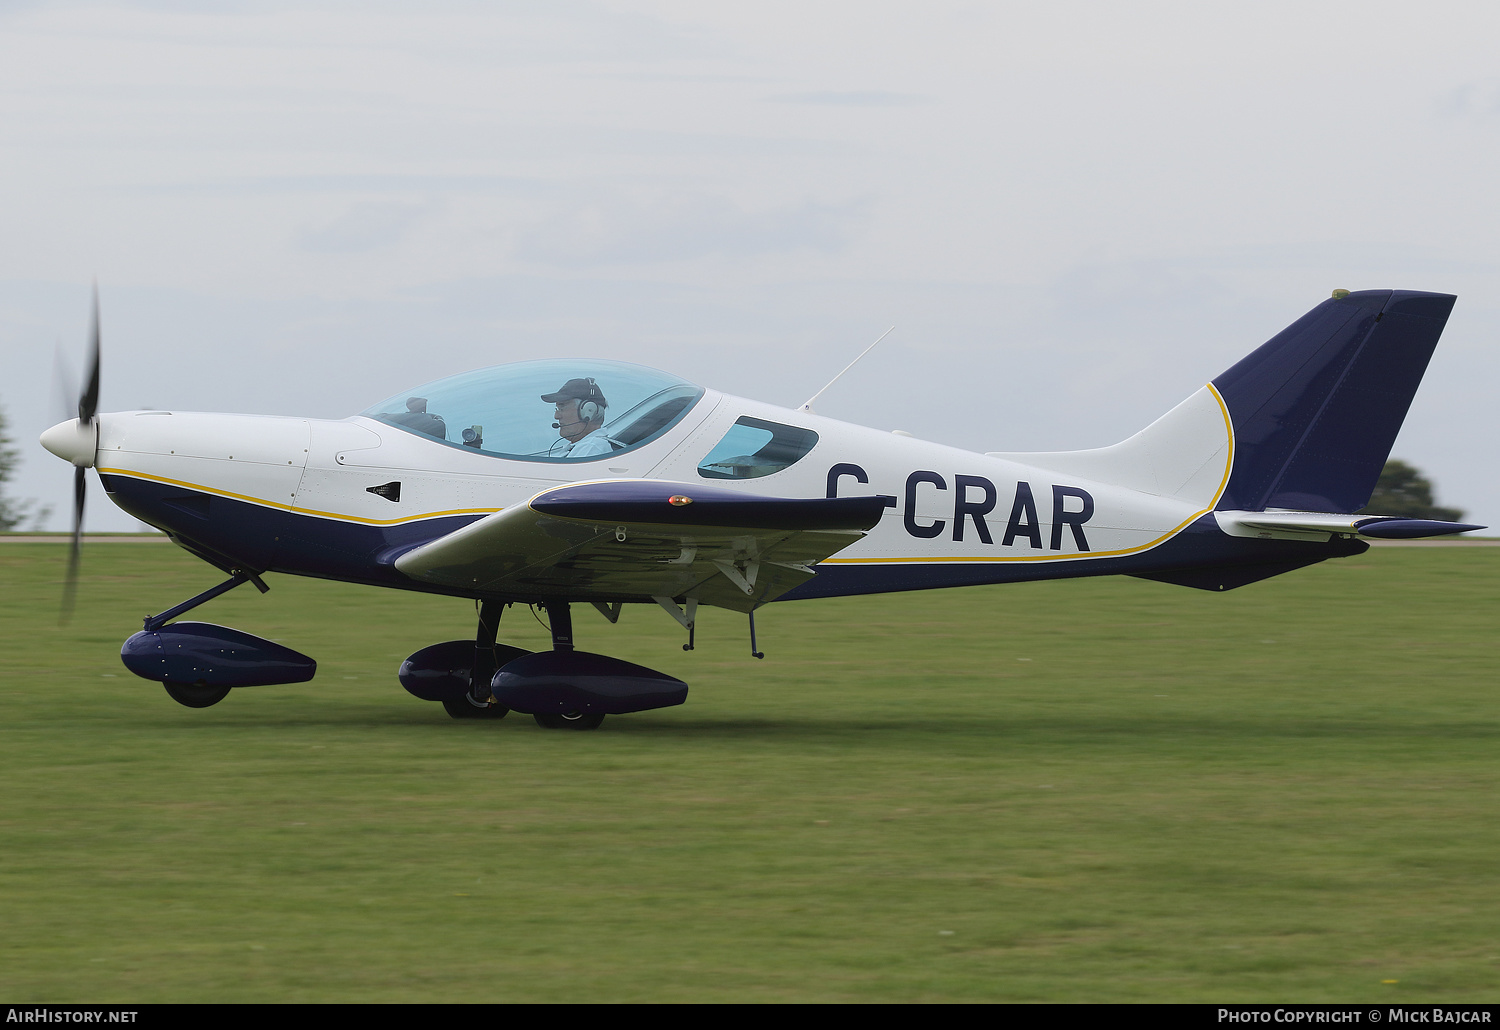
77,440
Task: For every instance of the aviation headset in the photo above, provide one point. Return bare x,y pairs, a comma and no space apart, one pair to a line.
588,408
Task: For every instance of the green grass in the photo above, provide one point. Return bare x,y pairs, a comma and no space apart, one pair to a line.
1104,790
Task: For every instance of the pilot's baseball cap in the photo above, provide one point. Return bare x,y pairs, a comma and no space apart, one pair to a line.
576,390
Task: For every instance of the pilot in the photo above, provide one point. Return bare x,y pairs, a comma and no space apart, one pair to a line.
580,418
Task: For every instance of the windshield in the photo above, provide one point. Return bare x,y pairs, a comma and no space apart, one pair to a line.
550,410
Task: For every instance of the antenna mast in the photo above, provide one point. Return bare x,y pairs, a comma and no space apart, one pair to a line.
807,407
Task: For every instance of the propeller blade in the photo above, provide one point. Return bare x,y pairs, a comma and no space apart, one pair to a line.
88,400
88,409
70,585
64,384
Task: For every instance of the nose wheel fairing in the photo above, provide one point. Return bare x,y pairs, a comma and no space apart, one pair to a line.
203,655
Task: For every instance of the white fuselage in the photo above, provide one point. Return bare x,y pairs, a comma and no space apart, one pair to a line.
950,505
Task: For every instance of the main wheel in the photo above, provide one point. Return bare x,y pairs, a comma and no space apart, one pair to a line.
570,720
463,708
196,695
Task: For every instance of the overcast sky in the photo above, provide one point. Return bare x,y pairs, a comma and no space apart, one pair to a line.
1074,213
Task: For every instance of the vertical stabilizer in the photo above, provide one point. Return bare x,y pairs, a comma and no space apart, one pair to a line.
1316,409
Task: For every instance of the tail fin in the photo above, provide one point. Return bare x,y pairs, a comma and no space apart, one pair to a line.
1316,409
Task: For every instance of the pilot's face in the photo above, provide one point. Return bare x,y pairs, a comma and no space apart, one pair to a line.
570,429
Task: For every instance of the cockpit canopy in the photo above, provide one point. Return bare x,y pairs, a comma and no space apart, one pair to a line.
500,411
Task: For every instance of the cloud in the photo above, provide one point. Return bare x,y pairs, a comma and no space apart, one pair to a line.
852,98
365,226
1477,99
685,227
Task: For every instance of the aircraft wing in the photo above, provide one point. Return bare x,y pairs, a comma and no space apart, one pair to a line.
637,540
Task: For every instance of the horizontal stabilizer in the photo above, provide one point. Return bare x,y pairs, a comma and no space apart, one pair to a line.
1406,529
1315,525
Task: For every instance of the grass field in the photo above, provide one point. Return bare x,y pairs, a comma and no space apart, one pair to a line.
1105,790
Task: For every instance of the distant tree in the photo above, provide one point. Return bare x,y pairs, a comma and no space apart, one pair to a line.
1402,490
13,513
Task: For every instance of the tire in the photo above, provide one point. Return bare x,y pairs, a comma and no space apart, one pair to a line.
570,721
196,695
463,709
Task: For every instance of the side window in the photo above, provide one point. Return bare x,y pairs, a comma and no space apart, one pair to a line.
753,448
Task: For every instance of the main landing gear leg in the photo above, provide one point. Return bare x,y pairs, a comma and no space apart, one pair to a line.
560,616
477,703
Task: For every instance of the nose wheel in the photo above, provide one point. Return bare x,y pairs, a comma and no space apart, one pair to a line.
196,695
569,720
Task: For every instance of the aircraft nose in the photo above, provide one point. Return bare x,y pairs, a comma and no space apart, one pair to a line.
73,441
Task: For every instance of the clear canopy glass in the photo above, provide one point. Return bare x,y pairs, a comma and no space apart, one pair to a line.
500,411
754,447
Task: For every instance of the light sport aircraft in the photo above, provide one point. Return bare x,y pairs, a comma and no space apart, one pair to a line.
558,482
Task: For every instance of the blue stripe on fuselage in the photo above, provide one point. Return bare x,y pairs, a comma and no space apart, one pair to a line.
273,540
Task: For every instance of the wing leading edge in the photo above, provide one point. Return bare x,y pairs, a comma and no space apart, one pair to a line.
637,540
